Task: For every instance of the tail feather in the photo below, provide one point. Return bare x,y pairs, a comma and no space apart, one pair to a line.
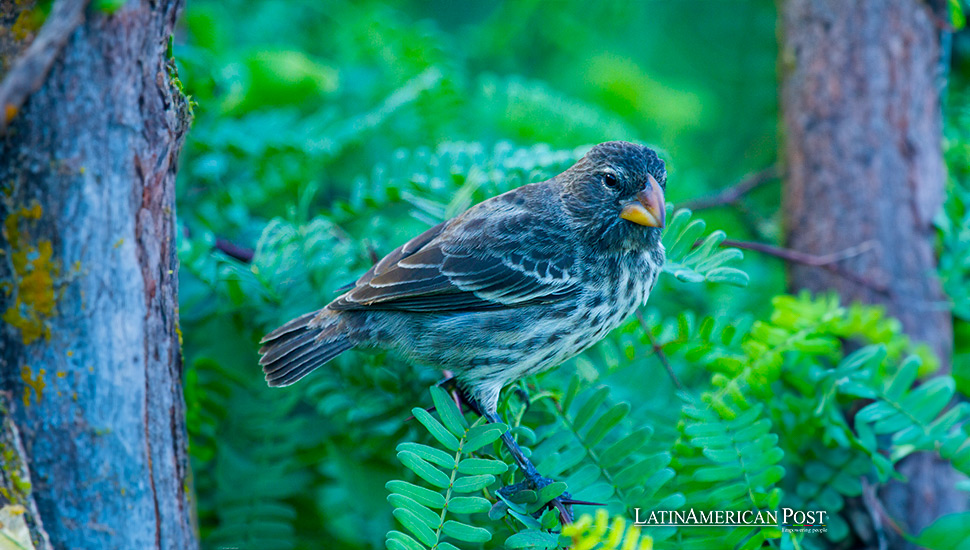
305,353
295,349
278,349
297,324
294,373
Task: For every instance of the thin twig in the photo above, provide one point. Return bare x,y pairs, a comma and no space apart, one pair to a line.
734,193
828,262
803,257
233,250
878,513
372,254
31,68
658,350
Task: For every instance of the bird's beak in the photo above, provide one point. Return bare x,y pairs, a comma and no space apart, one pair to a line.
649,209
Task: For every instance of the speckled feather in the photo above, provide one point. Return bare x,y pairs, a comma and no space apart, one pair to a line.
511,287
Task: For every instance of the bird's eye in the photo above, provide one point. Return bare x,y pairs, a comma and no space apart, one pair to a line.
609,180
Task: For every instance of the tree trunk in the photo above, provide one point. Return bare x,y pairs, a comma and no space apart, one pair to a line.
863,135
89,347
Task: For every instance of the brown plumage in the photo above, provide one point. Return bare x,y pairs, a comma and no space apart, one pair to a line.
512,286
515,285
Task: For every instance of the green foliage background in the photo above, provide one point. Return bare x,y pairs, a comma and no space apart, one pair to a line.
329,132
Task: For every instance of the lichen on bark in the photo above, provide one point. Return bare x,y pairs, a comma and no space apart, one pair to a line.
33,274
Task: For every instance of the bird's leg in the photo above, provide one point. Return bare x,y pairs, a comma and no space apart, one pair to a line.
533,479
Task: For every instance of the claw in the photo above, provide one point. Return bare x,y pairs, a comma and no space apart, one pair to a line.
565,513
532,483
572,501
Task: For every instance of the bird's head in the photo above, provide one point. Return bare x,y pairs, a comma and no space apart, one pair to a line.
616,195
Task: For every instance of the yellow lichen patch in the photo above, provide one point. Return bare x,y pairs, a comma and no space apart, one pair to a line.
34,274
9,111
178,331
37,384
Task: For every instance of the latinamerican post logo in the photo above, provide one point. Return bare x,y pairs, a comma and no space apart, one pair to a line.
788,519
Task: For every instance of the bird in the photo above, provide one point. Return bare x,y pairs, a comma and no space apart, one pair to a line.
513,286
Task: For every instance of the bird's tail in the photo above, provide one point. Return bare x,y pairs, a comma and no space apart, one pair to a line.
292,351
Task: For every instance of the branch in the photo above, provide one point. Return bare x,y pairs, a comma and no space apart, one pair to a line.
734,193
803,257
233,250
659,350
878,513
828,262
30,70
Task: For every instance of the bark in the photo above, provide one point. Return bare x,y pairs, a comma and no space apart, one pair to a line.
863,131
89,347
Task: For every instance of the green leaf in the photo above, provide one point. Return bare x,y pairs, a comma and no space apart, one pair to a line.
448,411
397,540
551,491
468,505
482,466
625,446
466,533
903,380
532,539
957,16
484,434
420,494
424,470
717,473
470,484
691,261
949,532
417,527
638,472
437,431
436,456
108,6
606,422
728,275
585,412
430,518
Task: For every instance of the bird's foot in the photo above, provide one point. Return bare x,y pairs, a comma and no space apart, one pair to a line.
537,493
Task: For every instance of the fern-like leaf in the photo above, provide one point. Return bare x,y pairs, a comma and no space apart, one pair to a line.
429,513
732,465
694,262
591,444
914,416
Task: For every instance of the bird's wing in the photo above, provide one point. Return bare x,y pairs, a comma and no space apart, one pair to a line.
506,262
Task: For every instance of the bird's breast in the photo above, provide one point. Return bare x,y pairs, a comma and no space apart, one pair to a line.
618,285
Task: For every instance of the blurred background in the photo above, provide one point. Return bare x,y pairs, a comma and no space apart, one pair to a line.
327,133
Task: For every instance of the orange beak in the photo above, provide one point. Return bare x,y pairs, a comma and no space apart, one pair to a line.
649,209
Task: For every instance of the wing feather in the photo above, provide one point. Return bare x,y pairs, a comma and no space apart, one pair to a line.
444,269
